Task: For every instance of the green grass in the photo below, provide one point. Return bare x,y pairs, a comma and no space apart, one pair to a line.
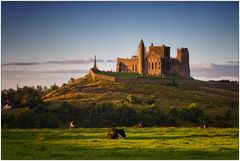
146,143
119,74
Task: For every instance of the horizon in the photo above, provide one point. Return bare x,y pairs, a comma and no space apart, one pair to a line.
41,47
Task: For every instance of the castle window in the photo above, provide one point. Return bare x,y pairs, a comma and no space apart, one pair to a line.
155,65
152,65
133,67
149,66
136,67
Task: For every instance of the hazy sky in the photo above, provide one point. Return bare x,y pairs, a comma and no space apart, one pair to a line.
52,40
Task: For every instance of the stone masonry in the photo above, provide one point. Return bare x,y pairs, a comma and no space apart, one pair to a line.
156,62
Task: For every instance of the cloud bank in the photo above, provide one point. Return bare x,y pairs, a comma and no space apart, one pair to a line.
20,63
74,61
216,71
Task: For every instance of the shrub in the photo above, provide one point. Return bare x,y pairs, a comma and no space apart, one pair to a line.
172,116
153,116
150,100
173,111
227,115
131,99
193,113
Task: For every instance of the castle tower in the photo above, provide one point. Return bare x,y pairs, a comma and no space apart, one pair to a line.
141,64
183,58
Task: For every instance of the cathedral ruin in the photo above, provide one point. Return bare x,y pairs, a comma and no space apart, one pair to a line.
156,61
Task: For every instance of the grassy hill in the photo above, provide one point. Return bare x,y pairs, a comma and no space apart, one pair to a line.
214,101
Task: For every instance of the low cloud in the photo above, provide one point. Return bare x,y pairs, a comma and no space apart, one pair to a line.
111,60
65,71
27,71
232,62
74,61
214,70
21,63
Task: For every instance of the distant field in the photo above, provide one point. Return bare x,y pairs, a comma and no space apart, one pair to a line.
146,143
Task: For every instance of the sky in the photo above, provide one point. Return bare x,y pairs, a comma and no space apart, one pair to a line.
50,42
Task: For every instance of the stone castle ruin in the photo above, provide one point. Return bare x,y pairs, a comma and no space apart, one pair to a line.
156,62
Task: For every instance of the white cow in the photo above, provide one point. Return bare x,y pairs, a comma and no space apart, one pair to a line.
7,107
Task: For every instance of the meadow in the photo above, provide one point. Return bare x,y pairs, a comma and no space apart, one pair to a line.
141,143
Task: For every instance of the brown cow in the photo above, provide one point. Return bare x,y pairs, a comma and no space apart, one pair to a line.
113,133
139,125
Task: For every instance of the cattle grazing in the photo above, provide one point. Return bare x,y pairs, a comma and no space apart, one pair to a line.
139,125
202,126
114,133
72,125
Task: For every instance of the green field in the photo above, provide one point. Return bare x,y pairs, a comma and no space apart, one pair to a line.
146,143
118,74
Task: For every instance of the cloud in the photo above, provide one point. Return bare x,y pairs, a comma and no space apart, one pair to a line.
65,71
111,61
232,62
210,70
20,63
202,66
74,61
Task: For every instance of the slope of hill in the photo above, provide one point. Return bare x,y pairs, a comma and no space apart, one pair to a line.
214,101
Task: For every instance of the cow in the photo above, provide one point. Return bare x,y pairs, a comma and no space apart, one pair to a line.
113,133
139,125
72,125
202,126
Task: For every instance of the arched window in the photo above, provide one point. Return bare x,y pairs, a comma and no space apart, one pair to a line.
155,65
152,65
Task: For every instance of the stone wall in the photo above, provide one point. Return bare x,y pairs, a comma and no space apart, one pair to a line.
101,76
127,65
153,64
182,82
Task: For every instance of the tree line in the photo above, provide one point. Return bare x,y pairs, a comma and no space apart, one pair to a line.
105,114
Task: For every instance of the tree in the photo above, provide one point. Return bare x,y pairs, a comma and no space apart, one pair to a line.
39,88
71,80
45,89
54,87
193,113
172,116
227,115
153,116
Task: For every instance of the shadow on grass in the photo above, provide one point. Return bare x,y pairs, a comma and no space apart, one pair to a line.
85,153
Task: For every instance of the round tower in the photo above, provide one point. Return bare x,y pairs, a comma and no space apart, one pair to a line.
141,63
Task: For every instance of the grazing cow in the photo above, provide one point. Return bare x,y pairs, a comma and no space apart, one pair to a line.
72,125
139,125
202,126
113,133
